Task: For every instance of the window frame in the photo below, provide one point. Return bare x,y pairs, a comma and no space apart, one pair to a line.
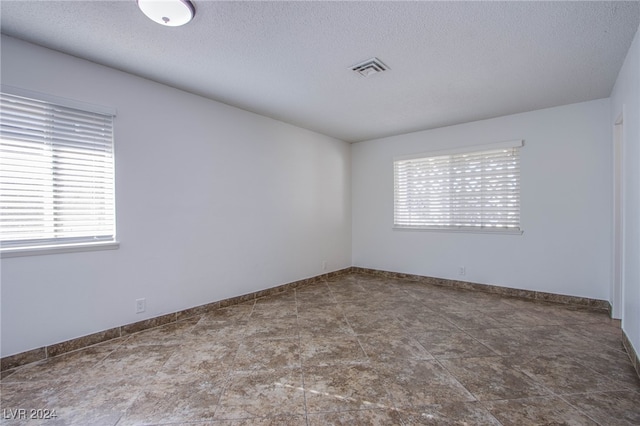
7,251
518,144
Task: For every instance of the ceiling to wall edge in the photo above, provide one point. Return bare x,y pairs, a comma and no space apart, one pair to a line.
275,117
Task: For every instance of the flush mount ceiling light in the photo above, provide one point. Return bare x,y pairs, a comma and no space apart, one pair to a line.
171,13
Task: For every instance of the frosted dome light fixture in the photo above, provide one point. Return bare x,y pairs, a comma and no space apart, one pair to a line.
171,13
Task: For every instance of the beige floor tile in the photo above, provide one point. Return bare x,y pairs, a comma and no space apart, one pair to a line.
202,357
450,302
344,387
263,421
219,330
309,311
314,302
372,322
347,288
177,398
355,350
383,347
490,378
262,394
92,402
16,396
452,344
321,325
359,417
598,334
610,362
331,350
140,361
565,339
314,293
469,320
537,411
261,354
277,328
425,322
525,340
266,310
72,365
611,408
563,375
415,383
449,414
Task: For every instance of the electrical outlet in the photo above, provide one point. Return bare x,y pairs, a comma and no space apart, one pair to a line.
462,270
141,305
324,265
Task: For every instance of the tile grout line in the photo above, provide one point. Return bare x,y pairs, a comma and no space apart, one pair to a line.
231,370
320,278
142,388
344,317
457,380
579,410
562,395
304,386
24,358
254,306
460,329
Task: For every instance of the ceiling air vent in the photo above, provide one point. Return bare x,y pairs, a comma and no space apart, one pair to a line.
370,67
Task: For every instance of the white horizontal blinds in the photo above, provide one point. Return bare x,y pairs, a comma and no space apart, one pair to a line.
56,174
471,190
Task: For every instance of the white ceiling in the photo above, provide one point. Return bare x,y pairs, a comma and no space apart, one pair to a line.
451,62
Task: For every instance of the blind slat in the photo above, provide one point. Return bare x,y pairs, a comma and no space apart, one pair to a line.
56,174
459,191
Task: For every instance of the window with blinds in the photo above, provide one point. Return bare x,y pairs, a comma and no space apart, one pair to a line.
461,190
56,174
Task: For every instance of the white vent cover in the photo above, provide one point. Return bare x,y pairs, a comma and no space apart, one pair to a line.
370,67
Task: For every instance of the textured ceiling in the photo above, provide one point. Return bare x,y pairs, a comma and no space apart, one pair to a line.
451,62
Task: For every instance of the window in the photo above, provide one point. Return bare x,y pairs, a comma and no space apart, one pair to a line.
56,174
460,190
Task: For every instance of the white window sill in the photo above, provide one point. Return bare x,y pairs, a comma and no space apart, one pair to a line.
65,248
463,231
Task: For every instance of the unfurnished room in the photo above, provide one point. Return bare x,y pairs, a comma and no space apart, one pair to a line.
319,213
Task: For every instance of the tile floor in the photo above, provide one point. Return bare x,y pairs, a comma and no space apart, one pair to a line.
355,350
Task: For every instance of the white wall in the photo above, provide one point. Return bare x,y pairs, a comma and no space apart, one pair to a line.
212,202
565,205
625,99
